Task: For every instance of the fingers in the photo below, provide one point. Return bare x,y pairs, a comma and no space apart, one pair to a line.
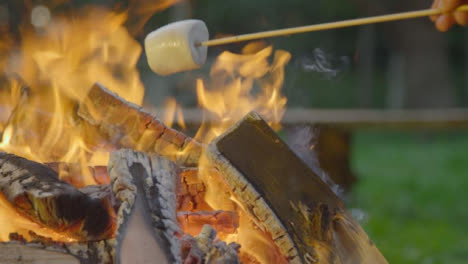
461,18
450,5
445,22
435,5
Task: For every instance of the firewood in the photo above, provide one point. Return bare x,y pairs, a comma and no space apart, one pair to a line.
191,191
126,125
205,248
38,194
148,231
145,187
40,249
307,221
225,222
20,253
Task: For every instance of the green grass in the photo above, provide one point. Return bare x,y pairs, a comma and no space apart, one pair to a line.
414,188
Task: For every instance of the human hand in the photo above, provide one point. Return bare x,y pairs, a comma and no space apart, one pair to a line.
446,20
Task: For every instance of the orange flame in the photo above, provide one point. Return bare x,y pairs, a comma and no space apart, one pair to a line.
230,96
63,58
173,111
60,57
233,80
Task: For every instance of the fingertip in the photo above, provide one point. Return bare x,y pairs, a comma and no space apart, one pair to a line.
444,23
461,18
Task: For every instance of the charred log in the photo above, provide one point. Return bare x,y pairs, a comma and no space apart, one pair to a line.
148,228
311,225
205,248
147,221
225,222
20,253
41,248
39,195
126,125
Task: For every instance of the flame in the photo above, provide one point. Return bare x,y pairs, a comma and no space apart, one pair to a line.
173,111
241,83
49,68
60,64
63,56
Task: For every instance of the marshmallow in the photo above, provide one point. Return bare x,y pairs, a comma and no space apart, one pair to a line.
175,47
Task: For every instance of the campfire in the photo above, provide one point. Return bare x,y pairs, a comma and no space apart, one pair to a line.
89,176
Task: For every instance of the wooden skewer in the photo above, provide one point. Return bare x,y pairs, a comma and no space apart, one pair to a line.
326,26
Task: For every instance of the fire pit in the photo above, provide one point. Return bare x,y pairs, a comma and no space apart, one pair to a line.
88,176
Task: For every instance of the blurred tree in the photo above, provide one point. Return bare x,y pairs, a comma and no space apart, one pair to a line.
424,51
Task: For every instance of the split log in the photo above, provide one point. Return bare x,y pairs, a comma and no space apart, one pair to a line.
39,195
19,253
43,250
127,125
148,231
307,221
146,189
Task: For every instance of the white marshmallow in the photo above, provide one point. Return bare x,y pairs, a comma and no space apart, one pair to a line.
173,48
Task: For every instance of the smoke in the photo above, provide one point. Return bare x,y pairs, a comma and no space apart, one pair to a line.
326,65
302,141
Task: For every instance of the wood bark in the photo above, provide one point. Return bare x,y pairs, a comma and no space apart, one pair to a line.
38,194
145,188
40,248
307,221
126,125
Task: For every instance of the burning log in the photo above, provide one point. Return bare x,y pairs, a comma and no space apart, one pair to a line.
37,193
307,221
19,253
145,188
148,229
45,250
205,248
191,191
222,221
126,125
